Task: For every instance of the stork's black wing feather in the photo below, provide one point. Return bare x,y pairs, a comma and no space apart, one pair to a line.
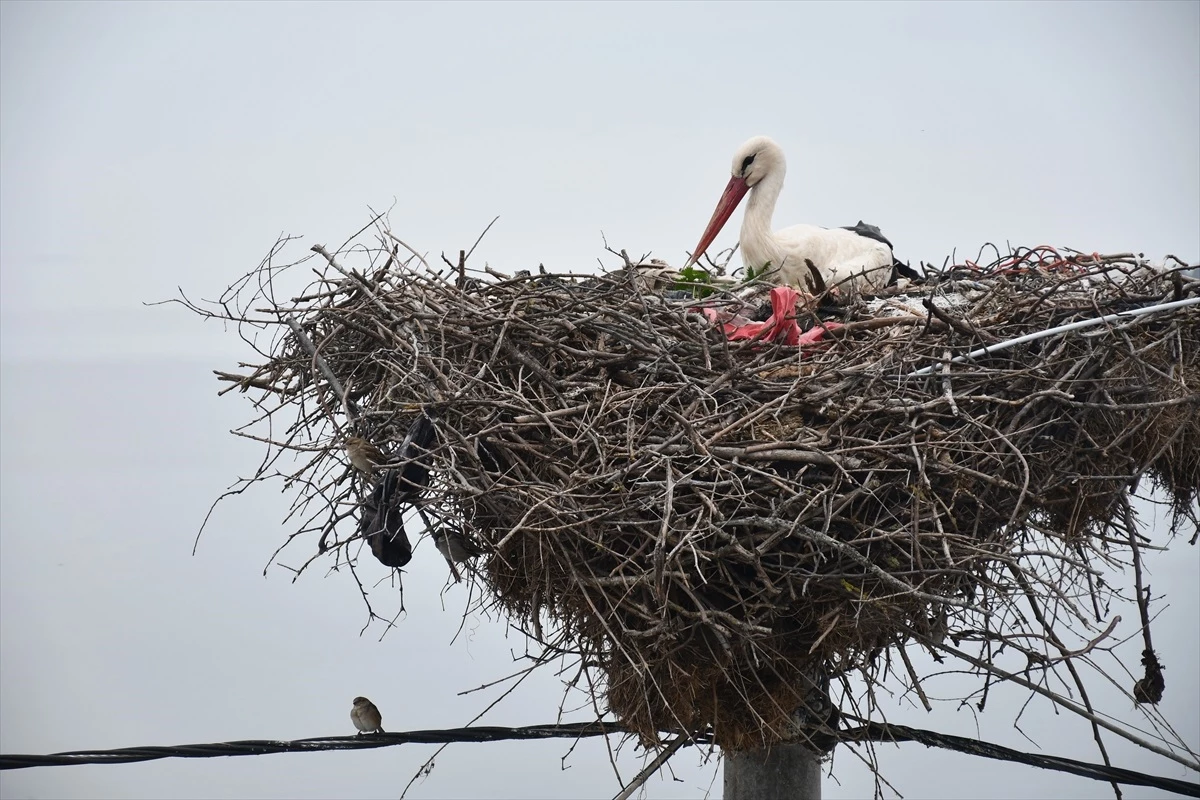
899,268
869,231
902,270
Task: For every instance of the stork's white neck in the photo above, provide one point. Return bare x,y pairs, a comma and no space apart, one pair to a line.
757,241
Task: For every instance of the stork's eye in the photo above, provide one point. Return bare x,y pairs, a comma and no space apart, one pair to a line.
746,162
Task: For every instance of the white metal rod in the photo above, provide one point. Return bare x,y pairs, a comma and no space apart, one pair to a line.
1070,326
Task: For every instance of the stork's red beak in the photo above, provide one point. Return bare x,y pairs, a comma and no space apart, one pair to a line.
735,190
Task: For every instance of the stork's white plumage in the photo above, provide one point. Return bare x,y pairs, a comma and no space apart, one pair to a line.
838,254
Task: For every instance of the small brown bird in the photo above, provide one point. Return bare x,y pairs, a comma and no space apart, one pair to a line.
366,717
455,548
363,455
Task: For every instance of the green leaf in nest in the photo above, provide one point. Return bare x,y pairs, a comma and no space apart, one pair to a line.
695,281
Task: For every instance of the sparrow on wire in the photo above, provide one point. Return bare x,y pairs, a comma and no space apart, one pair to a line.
366,717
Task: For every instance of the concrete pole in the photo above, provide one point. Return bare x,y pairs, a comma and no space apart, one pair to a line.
779,772
789,770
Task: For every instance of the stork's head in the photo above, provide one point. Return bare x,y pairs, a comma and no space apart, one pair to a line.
753,161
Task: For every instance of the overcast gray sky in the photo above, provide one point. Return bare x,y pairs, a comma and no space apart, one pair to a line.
146,146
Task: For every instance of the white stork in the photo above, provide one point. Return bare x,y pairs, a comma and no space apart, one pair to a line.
861,256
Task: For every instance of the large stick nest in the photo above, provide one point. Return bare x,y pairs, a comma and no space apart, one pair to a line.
711,523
